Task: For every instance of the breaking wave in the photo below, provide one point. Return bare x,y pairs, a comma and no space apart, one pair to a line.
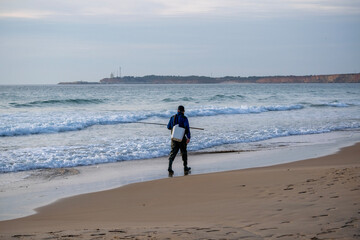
18,124
220,97
135,148
183,99
76,101
213,111
331,104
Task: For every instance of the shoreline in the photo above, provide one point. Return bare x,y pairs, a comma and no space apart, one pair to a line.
23,192
310,199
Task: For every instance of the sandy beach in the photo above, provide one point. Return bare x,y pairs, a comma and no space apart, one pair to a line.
311,199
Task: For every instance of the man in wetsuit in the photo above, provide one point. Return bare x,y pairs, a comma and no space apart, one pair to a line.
183,122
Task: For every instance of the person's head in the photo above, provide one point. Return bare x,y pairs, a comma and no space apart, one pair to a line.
181,109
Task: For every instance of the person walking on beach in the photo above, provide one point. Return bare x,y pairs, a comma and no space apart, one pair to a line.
183,122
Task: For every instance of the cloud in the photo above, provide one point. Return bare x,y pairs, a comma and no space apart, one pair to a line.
30,14
188,7
172,8
327,6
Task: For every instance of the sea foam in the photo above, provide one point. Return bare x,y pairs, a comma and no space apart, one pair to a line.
138,148
18,124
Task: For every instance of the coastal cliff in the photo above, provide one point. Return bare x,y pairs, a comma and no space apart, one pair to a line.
335,78
155,79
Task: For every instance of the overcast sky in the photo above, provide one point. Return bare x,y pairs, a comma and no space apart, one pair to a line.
45,42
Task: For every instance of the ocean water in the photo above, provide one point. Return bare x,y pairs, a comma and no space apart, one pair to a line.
53,126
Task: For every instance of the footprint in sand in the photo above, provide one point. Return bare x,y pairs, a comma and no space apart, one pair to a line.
289,187
98,234
200,229
285,235
323,215
250,225
117,231
22,236
330,209
71,236
263,229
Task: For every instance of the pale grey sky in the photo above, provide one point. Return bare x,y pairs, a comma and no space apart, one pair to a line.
44,41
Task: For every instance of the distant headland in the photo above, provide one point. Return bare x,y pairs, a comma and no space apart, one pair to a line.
155,79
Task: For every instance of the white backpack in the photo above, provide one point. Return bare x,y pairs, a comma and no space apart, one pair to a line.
177,133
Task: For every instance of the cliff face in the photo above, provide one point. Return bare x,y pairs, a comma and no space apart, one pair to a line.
153,79
335,78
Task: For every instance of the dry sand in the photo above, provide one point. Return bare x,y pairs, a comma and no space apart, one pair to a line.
311,199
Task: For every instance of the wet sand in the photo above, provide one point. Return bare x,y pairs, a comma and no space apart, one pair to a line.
311,199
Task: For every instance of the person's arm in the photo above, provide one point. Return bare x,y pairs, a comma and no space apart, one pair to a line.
170,124
187,130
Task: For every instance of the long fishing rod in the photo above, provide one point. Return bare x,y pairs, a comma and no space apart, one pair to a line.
162,124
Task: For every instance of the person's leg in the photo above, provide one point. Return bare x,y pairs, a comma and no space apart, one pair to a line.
174,150
183,150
